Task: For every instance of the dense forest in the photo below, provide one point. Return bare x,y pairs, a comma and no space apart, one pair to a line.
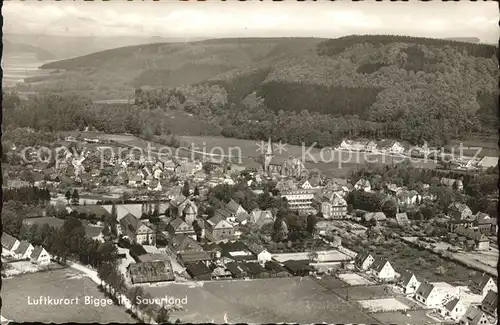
294,90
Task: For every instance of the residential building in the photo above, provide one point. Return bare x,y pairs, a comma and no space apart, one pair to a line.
383,270
213,249
331,205
490,303
194,257
237,251
428,295
40,256
261,217
352,145
298,268
148,272
483,285
391,146
455,309
182,243
452,183
459,211
474,316
363,185
136,231
292,167
402,219
180,227
177,205
454,224
300,200
262,254
9,243
409,282
219,229
377,216
24,250
480,241
408,198
371,146
364,261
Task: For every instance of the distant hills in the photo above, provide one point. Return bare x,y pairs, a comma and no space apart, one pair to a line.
16,47
464,39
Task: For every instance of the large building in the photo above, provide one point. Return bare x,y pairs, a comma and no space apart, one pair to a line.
300,200
136,231
331,205
293,167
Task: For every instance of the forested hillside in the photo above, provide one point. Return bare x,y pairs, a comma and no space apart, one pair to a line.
310,90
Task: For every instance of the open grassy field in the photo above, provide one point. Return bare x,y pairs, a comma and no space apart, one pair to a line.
294,299
414,317
63,283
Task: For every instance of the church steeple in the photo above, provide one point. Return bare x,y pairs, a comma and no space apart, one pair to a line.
268,156
269,150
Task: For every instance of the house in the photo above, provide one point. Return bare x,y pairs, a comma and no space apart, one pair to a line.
459,211
148,272
183,243
364,261
455,309
298,268
452,183
257,271
490,303
383,269
194,257
409,282
177,205
352,145
136,231
453,225
300,200
24,250
135,180
331,205
371,146
428,295
219,229
363,185
390,146
9,243
402,219
483,285
40,256
261,217
199,271
238,270
180,227
474,316
213,249
410,198
276,270
262,254
481,242
234,208
392,188
377,216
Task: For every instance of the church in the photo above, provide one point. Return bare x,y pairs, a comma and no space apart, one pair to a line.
290,167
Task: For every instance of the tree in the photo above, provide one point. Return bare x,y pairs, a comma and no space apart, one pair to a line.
196,191
311,223
163,316
390,208
68,196
185,189
75,197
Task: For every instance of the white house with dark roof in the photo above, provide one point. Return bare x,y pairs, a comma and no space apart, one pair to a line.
383,270
490,303
428,295
9,244
40,256
24,250
261,217
455,309
484,284
364,260
262,254
363,185
409,282
474,316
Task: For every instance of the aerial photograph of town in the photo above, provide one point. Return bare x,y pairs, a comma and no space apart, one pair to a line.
253,162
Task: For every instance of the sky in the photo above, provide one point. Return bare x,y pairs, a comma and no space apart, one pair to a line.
215,19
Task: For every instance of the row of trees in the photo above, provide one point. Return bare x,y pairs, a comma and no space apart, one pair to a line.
29,194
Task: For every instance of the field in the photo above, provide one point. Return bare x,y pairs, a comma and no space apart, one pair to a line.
354,279
365,292
297,300
56,284
385,304
414,317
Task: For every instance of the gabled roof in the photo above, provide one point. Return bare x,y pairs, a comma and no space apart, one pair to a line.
379,216
402,218
275,267
237,268
452,304
425,289
255,248
185,243
130,222
481,282
177,201
361,257
233,206
192,256
379,264
8,241
223,213
490,300
212,247
255,268
151,271
260,216
23,247
460,207
473,315
37,252
197,269
406,276
363,182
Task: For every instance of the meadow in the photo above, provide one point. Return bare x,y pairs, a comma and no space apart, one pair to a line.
63,283
294,299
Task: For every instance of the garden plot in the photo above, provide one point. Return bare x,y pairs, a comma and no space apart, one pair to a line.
354,279
383,305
